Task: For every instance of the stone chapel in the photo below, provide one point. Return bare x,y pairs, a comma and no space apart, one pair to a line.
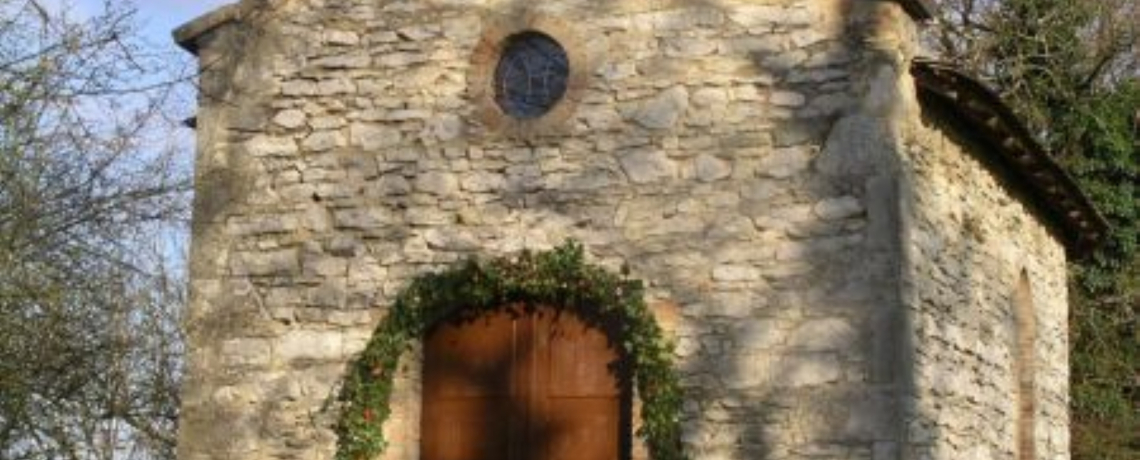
857,253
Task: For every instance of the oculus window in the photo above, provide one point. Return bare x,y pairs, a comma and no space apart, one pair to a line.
531,76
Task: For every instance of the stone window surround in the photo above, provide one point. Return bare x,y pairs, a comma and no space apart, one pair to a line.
485,59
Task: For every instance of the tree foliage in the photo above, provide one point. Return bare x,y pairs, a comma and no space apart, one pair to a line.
89,340
1071,68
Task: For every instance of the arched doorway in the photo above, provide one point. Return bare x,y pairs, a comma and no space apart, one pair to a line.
524,383
469,291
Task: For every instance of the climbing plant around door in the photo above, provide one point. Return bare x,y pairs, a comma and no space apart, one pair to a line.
560,277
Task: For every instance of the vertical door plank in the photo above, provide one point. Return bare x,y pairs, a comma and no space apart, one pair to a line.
579,391
467,383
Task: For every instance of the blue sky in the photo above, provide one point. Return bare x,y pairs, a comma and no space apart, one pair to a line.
162,16
158,17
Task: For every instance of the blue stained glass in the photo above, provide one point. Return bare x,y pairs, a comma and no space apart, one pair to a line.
531,76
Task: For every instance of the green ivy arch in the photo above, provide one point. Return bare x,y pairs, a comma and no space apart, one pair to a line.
560,277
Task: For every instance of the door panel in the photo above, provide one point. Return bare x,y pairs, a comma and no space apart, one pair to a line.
471,358
466,429
582,428
468,380
522,384
581,361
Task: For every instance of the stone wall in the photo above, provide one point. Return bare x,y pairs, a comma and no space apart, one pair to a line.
738,156
969,236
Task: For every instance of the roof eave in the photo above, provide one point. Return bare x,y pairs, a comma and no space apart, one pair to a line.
922,10
1083,226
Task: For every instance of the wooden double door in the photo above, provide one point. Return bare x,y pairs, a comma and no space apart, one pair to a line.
523,383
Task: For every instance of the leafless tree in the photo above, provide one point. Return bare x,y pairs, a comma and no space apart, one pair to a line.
90,348
1017,45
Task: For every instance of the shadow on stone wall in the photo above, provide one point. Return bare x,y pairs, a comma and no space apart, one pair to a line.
820,190
798,408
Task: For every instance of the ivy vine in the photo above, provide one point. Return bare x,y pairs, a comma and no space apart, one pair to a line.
561,278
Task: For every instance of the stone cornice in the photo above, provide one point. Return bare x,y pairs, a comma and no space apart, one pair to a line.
187,35
1015,149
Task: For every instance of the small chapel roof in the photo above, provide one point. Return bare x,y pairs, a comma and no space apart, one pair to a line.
1015,149
921,10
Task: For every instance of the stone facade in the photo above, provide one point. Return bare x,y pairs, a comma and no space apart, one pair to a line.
836,271
969,239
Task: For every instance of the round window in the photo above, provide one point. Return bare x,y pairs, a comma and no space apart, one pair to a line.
531,75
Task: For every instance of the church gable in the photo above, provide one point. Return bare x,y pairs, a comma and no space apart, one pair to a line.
762,167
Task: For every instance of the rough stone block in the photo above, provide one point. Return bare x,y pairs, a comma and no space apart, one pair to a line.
271,146
356,60
857,145
321,141
838,208
871,416
709,168
726,304
482,181
362,218
341,38
372,136
308,345
787,99
451,240
807,369
437,183
645,166
332,87
783,163
759,335
267,263
324,266
732,273
246,352
664,110
746,371
825,334
290,119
